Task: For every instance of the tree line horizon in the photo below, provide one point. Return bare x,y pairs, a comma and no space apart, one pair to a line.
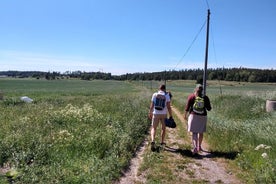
227,74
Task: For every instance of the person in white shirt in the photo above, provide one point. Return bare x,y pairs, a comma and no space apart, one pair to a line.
159,107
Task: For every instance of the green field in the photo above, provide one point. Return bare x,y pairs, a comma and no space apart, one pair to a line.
86,131
74,131
239,126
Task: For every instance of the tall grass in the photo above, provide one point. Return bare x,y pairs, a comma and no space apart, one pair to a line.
70,135
238,125
86,131
241,124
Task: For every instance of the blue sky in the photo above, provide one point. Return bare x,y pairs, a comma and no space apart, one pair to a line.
128,36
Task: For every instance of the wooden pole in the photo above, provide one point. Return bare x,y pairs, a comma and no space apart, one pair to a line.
165,77
206,54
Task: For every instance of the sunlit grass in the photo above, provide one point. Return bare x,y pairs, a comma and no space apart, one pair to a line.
71,135
86,131
238,123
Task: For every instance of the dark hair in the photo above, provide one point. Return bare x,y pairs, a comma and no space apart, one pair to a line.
162,87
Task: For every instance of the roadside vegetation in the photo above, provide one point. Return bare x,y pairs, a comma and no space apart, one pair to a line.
80,131
244,130
74,132
240,129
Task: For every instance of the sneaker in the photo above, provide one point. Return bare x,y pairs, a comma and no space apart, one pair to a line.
152,146
163,144
194,151
200,149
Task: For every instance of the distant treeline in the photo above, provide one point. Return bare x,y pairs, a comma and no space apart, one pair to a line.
227,74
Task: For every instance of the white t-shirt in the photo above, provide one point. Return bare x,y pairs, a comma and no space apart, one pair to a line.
164,110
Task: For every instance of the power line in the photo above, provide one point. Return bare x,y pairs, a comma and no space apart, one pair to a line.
188,49
214,48
215,57
207,4
190,45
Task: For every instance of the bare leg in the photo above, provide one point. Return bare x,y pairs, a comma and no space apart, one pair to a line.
153,130
200,141
195,141
163,131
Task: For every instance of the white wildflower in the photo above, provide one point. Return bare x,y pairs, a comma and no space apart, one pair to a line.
267,147
261,146
64,132
264,155
64,135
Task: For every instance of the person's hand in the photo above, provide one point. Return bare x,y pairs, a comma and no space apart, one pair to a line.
150,116
185,118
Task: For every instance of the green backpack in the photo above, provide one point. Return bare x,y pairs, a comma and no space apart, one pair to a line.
199,106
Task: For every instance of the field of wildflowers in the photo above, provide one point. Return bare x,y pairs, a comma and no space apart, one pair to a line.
84,132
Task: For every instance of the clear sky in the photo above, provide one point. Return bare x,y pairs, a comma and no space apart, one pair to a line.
128,36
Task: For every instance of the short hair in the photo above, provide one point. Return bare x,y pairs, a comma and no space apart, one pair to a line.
162,87
199,86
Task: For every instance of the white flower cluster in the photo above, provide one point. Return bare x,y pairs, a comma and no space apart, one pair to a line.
83,114
265,155
262,146
63,136
265,147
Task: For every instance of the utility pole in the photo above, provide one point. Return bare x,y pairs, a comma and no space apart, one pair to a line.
165,77
206,54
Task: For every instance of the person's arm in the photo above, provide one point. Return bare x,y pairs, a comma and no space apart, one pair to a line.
187,107
151,110
169,108
186,115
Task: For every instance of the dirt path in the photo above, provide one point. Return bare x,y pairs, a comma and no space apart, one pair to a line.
131,175
205,167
